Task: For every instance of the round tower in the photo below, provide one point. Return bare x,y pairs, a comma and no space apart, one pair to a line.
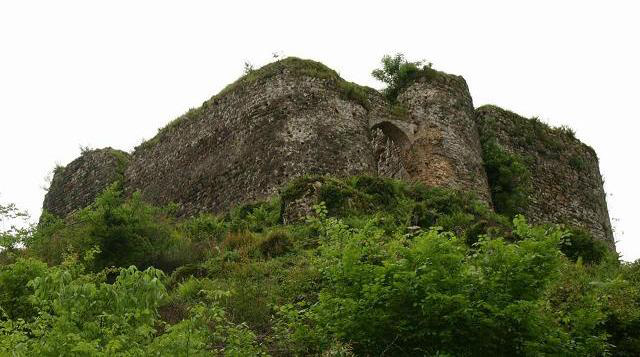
444,150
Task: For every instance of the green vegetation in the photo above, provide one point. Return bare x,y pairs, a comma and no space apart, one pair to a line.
379,267
577,162
398,73
509,178
536,135
579,244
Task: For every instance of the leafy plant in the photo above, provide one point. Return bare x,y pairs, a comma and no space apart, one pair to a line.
579,243
398,73
380,266
509,179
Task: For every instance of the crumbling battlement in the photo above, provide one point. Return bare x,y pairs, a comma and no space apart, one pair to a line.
566,186
295,117
77,185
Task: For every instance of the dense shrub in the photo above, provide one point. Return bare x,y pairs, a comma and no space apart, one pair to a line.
126,232
275,244
205,227
509,179
239,241
623,316
428,295
15,290
255,217
383,267
80,314
579,243
398,73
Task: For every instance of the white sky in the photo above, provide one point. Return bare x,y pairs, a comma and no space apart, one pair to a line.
110,73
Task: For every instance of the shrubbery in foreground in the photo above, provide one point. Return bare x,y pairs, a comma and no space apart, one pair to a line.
352,279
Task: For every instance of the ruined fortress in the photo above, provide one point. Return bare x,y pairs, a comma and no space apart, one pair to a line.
295,117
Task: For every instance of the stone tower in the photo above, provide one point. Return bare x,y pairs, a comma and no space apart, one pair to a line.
445,148
295,117
289,118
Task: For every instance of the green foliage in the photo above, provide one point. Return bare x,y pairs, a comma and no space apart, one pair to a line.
535,135
428,295
509,179
14,288
354,92
623,315
79,313
275,243
579,243
204,227
126,231
380,267
14,228
577,163
398,73
255,217
194,335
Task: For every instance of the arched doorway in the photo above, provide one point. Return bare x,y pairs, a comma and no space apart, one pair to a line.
390,144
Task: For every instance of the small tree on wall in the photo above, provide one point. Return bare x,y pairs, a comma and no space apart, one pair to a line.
398,73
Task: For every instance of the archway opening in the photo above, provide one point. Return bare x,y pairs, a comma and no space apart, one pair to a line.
389,144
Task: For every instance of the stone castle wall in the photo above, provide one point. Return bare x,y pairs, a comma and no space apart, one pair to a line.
566,186
445,148
76,186
297,117
245,145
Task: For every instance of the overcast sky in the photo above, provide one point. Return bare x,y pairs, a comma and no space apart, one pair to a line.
110,73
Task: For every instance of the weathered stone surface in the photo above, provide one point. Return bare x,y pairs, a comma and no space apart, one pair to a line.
244,145
297,117
391,136
445,148
565,178
388,155
78,184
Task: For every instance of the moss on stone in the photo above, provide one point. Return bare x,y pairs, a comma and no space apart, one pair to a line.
535,134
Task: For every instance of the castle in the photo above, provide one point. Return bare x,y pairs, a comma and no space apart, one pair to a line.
295,117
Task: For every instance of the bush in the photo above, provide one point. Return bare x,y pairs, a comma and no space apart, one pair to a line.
255,217
15,289
204,227
275,243
398,73
623,314
239,245
426,295
126,232
354,278
579,243
509,179
79,313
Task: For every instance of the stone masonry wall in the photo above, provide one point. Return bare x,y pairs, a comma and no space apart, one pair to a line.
297,117
566,186
445,150
81,181
247,143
